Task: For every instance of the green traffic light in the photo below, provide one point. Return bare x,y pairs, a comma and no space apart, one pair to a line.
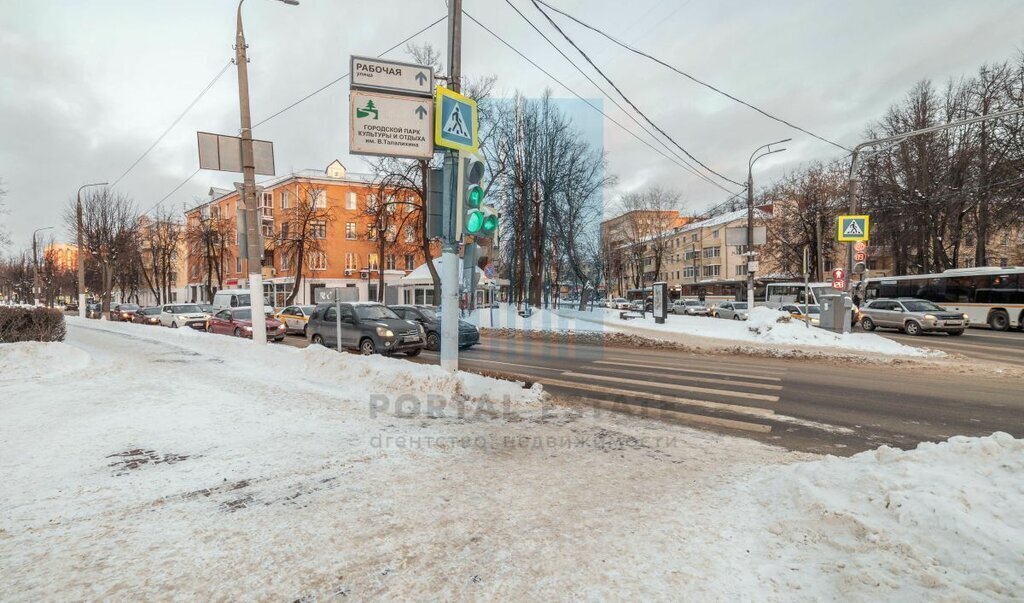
474,221
475,196
490,224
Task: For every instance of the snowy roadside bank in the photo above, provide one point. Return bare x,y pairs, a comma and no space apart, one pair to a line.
148,470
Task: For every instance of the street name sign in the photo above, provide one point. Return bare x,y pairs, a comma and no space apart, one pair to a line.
390,125
853,228
457,123
391,76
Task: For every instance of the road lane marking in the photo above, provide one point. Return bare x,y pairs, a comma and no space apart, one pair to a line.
685,388
712,368
675,415
627,367
736,408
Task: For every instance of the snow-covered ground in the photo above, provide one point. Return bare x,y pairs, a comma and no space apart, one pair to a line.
762,328
507,317
151,463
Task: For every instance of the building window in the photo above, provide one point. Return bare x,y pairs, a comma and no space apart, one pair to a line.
284,231
286,199
714,270
318,198
714,234
318,230
350,200
317,261
267,205
712,252
410,234
373,261
238,265
285,262
371,233
740,249
267,228
350,231
351,261
693,237
1003,262
389,261
410,261
741,270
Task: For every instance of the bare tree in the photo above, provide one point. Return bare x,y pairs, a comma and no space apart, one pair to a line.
5,235
393,224
206,237
161,238
648,215
303,231
110,232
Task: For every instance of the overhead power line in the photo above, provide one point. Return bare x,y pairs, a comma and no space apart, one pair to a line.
174,190
691,77
626,98
587,101
173,123
335,81
692,170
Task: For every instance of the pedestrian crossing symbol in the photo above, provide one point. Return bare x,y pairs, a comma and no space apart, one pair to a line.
456,125
853,228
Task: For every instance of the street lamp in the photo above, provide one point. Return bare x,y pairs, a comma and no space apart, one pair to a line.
768,150
35,266
80,251
253,253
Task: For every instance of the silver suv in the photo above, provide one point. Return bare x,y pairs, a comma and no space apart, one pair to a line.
914,316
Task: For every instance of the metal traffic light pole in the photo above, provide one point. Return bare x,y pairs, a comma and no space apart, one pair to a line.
453,167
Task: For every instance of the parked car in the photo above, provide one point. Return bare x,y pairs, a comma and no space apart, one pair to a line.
295,318
690,307
93,310
238,322
430,318
123,312
620,303
636,305
914,316
147,316
369,327
231,298
797,312
207,308
732,310
182,315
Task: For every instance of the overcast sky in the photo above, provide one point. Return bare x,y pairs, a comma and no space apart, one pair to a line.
87,85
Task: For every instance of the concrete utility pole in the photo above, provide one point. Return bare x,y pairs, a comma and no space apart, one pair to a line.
253,253
854,183
750,211
35,266
80,252
453,165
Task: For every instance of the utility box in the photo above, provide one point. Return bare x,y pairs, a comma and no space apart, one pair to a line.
836,313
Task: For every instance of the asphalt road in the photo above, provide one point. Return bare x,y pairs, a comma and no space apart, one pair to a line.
809,405
1005,347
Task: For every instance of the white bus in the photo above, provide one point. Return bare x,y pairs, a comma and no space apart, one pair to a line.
990,295
780,294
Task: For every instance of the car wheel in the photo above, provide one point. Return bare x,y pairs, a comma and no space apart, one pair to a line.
867,324
912,327
735,316
433,341
209,328
305,330
174,325
317,339
366,347
999,321
414,353
956,333
238,332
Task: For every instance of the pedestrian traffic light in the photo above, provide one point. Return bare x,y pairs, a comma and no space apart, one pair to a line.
477,218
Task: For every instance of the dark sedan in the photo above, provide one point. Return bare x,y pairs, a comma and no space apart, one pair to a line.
238,322
430,318
147,316
369,327
124,312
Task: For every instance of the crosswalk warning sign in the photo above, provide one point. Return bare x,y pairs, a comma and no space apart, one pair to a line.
456,124
853,228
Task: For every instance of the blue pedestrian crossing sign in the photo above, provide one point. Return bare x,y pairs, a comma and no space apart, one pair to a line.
853,228
455,121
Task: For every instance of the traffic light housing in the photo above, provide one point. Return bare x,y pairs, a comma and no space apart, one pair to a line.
478,218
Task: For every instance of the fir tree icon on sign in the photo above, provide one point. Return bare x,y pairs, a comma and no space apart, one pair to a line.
368,110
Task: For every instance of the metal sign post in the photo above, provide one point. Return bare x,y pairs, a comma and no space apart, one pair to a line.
807,292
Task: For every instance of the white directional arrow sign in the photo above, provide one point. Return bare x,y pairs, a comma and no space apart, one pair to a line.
391,125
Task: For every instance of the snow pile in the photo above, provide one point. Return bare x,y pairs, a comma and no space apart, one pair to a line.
762,327
507,317
362,375
945,521
30,360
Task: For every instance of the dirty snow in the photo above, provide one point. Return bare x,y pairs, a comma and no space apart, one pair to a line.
181,465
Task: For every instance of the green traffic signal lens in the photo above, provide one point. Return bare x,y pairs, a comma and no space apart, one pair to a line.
474,221
475,196
490,224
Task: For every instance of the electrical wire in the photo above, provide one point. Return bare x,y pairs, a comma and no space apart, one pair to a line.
626,98
693,169
167,196
173,123
335,81
586,101
692,78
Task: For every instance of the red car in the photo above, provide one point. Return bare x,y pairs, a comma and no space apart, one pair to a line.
124,312
238,322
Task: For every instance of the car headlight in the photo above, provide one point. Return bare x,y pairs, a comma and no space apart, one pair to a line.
929,317
183,317
385,332
280,327
965,316
246,328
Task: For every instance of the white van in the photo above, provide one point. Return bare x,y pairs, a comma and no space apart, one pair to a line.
230,298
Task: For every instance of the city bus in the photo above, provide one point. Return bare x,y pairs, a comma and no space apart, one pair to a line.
990,295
